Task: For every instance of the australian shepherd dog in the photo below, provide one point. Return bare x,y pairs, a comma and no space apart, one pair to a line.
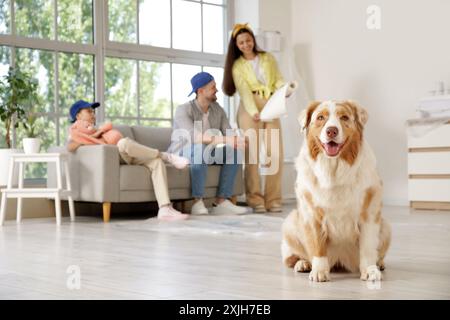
337,222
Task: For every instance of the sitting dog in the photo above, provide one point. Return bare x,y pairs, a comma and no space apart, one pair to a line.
337,222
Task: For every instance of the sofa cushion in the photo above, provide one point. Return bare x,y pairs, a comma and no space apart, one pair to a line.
135,177
177,178
182,178
156,138
125,131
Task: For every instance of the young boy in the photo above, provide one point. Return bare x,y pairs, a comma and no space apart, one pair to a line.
134,153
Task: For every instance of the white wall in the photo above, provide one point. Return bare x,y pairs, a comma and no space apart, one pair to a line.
276,15
246,11
387,71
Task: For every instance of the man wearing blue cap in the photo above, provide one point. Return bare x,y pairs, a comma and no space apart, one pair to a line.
210,140
130,152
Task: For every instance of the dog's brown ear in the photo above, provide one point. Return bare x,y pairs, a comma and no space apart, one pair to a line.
361,114
305,115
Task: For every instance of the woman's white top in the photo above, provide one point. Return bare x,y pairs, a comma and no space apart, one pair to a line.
258,71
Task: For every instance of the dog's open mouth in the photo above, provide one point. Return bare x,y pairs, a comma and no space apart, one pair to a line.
332,148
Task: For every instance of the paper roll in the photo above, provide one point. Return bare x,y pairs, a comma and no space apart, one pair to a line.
276,106
293,85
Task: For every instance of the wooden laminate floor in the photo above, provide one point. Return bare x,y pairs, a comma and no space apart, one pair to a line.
116,262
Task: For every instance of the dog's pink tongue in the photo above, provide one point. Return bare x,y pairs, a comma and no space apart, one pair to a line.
332,148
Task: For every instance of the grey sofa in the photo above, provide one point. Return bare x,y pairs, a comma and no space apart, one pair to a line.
97,174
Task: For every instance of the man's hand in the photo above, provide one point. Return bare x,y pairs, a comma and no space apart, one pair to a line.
256,117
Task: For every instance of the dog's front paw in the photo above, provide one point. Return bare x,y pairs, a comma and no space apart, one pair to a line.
302,266
371,273
319,275
320,269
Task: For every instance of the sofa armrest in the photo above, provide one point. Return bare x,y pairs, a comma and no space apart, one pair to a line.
98,173
94,172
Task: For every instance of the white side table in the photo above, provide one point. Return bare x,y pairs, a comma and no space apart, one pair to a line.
60,159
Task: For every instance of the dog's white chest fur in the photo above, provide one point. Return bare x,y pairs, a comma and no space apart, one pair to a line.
336,187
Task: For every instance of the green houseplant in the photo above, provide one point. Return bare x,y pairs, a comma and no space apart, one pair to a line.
18,94
31,142
30,125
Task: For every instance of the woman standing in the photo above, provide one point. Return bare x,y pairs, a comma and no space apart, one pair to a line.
255,75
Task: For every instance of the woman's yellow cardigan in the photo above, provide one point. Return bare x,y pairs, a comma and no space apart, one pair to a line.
246,82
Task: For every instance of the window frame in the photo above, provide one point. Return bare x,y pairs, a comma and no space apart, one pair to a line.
144,52
102,47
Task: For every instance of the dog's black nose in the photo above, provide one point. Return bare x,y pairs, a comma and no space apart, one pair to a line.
332,132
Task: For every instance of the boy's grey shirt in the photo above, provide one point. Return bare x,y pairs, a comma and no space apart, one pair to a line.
189,113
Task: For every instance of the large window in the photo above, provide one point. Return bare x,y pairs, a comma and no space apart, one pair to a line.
4,16
137,61
179,24
145,92
181,35
4,64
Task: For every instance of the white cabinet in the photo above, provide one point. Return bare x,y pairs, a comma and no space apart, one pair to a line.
429,169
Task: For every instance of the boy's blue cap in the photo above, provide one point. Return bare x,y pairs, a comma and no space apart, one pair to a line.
81,104
199,80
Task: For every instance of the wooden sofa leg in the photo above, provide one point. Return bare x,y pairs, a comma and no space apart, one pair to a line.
106,211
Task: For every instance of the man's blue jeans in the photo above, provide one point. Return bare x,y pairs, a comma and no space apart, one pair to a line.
201,156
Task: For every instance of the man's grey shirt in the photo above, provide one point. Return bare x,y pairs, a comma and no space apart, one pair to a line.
189,116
